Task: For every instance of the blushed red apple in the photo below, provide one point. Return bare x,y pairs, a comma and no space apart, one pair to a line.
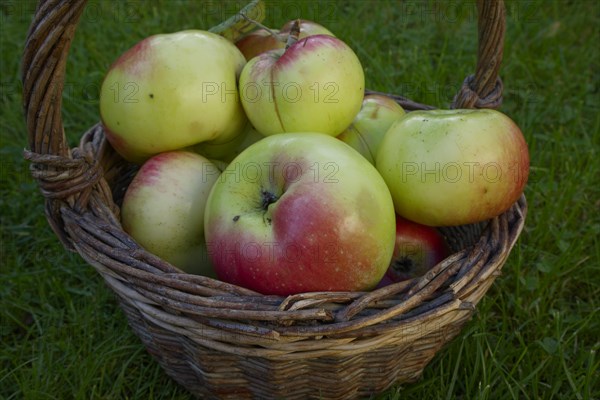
453,167
163,208
261,40
418,248
315,85
172,91
300,212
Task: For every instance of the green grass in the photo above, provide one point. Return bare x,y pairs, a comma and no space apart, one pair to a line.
535,335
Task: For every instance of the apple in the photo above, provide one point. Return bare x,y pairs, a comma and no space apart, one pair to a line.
453,167
163,208
315,85
418,249
221,165
300,212
261,40
228,151
171,91
220,150
375,117
252,136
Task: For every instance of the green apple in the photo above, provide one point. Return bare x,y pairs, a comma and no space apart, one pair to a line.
315,85
300,212
221,150
163,208
221,165
261,40
229,150
252,136
171,91
375,117
453,167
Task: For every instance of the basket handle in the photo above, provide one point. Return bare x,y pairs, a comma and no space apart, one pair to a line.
70,176
484,88
43,70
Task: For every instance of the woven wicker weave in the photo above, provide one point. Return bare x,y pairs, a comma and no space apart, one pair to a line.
219,340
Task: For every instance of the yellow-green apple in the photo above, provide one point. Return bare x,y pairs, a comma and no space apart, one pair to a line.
221,165
300,212
453,167
418,249
220,150
251,137
375,117
163,208
315,85
261,40
171,91
228,151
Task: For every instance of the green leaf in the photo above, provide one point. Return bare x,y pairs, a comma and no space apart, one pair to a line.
563,245
544,266
550,345
532,282
237,26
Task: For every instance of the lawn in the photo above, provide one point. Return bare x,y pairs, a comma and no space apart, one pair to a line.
536,333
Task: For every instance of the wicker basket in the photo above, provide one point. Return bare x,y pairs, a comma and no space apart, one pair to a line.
222,341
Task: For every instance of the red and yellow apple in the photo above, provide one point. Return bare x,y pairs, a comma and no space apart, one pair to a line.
300,212
315,85
171,91
163,208
375,117
418,249
261,40
453,167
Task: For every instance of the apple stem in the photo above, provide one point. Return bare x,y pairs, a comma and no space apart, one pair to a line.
276,35
294,34
267,198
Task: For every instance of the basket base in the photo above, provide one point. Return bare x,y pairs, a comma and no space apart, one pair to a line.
210,374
